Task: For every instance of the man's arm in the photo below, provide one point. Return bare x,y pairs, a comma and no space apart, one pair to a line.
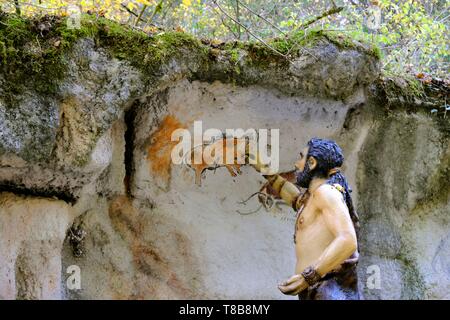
335,214
286,189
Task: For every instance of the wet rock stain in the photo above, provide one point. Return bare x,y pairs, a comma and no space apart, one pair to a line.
155,269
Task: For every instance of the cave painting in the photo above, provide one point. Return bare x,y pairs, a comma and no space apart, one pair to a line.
171,144
161,145
218,151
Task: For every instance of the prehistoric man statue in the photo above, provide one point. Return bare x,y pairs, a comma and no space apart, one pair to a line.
325,236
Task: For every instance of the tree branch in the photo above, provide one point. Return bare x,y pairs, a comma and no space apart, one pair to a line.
225,24
140,15
327,13
238,18
260,16
250,32
323,15
17,5
147,23
42,7
158,8
132,12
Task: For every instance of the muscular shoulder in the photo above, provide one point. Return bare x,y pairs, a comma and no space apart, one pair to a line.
328,196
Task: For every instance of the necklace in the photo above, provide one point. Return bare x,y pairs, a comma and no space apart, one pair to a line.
303,200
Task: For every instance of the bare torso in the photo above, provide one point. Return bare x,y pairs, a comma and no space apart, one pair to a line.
312,235
326,243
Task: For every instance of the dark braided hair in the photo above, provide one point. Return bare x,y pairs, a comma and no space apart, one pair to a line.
329,156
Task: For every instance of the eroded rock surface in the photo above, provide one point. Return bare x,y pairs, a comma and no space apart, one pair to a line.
94,156
32,234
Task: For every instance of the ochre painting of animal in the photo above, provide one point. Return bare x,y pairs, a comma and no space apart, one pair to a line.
215,155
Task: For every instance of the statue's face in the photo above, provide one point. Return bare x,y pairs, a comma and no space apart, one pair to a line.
300,163
305,167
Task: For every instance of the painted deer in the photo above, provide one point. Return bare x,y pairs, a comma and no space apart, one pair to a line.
214,154
218,151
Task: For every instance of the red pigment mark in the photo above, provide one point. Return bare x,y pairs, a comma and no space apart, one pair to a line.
155,269
159,151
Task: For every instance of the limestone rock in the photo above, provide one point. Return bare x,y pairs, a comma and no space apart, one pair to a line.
94,155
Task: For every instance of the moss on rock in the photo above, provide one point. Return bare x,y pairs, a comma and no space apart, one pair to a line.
30,56
310,38
34,49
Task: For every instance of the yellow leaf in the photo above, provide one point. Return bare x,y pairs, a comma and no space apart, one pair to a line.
130,6
187,3
146,2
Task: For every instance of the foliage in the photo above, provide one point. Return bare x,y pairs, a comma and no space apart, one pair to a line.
412,36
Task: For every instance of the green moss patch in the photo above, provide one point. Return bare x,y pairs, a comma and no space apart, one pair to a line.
313,37
32,50
28,57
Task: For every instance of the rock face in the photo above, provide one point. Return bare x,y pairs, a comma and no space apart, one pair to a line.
61,137
32,233
404,204
92,161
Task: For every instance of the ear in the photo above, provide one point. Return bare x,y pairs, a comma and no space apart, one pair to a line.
312,162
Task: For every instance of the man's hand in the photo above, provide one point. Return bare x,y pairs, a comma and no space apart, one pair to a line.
256,160
294,285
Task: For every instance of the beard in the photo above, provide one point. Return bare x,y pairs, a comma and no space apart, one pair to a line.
304,177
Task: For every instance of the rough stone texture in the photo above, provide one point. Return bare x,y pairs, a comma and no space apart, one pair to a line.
404,205
32,233
58,138
327,70
151,233
29,131
62,141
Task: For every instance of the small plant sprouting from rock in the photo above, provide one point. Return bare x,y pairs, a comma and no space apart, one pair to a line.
76,235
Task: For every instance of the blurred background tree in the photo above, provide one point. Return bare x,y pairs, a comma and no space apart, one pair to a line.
413,35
